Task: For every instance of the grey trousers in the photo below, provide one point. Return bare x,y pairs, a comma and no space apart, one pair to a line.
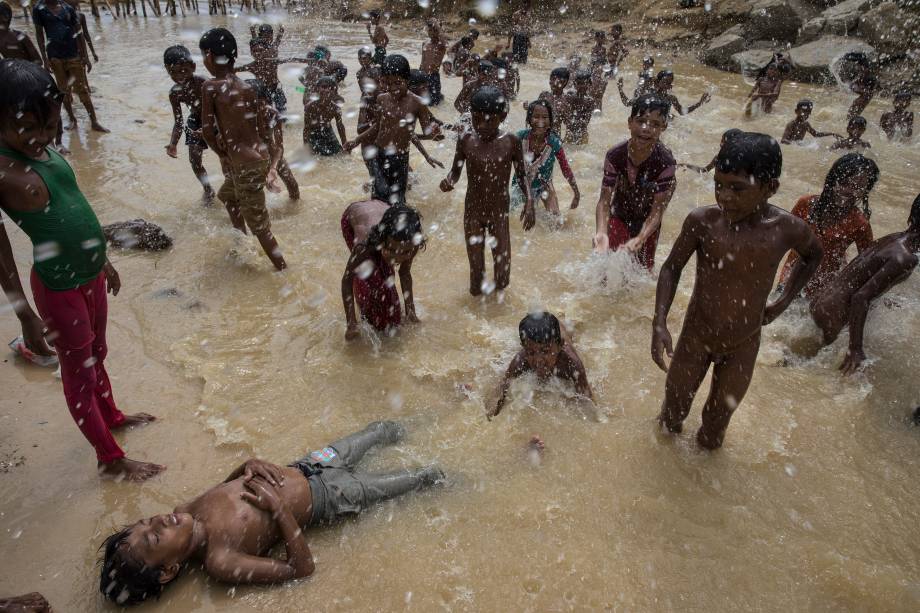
339,491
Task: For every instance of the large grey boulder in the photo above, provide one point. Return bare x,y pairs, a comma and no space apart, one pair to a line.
843,18
721,49
750,61
812,30
773,20
890,29
814,62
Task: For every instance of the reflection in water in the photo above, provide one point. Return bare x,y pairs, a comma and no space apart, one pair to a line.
810,504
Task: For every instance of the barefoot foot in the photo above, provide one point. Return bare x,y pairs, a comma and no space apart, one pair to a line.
98,127
535,448
138,419
207,199
130,470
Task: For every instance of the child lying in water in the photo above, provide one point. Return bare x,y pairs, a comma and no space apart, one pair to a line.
231,528
547,351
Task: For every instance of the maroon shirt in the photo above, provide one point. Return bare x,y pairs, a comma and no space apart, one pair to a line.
635,187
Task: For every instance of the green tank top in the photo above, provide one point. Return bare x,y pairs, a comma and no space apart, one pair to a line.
68,246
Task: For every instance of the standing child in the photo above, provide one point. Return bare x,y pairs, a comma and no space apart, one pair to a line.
491,155
318,116
899,123
581,104
368,73
275,124
856,127
599,50
379,38
433,51
266,33
638,185
519,36
864,83
187,91
558,81
847,298
265,68
766,88
617,50
382,238
392,129
39,193
797,128
738,246
13,43
541,150
546,351
228,106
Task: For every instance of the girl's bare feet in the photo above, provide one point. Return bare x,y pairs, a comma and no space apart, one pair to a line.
138,419
130,470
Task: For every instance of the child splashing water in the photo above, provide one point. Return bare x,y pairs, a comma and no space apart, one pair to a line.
382,238
541,150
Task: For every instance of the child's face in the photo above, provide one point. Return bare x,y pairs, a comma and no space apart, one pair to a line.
557,84
666,83
647,127
420,90
28,134
487,125
541,357
739,194
326,92
852,189
647,63
539,119
181,73
364,60
773,72
856,130
803,112
394,85
162,540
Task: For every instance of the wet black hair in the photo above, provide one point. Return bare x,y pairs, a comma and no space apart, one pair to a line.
124,580
266,28
27,88
489,100
904,92
500,63
365,52
751,153
560,73
913,220
176,55
467,41
474,33
6,13
396,66
618,27
598,33
401,223
805,104
731,133
540,327
417,77
337,70
582,75
375,14
545,104
220,42
846,167
663,74
648,60
858,121
649,104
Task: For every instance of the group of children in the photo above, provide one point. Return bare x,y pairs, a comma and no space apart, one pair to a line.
739,244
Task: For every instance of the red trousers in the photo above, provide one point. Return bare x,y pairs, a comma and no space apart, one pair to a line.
76,319
618,235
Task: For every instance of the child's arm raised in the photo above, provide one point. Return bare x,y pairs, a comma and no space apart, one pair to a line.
515,369
32,325
457,167
177,124
686,244
405,282
808,247
528,215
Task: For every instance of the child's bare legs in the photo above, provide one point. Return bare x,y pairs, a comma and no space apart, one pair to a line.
731,377
475,233
685,374
501,251
830,320
550,201
227,195
287,177
195,154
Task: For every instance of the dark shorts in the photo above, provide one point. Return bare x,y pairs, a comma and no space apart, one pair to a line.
434,88
192,132
520,48
391,176
323,141
279,100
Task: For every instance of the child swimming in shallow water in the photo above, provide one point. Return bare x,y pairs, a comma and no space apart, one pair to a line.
382,238
547,351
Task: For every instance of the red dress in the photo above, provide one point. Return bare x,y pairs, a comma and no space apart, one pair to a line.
835,239
376,295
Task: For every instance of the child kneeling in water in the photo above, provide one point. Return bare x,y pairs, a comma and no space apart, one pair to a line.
381,238
547,351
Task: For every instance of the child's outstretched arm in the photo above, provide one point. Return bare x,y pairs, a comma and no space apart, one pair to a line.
528,215
569,176
364,138
577,373
456,168
652,223
602,218
340,126
405,282
686,244
623,97
703,100
32,325
417,141
517,366
806,244
177,125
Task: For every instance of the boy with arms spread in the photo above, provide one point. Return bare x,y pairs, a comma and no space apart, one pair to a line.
738,246
797,128
265,68
547,351
39,193
231,528
318,116
187,91
846,300
638,185
391,130
490,156
248,153
65,55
